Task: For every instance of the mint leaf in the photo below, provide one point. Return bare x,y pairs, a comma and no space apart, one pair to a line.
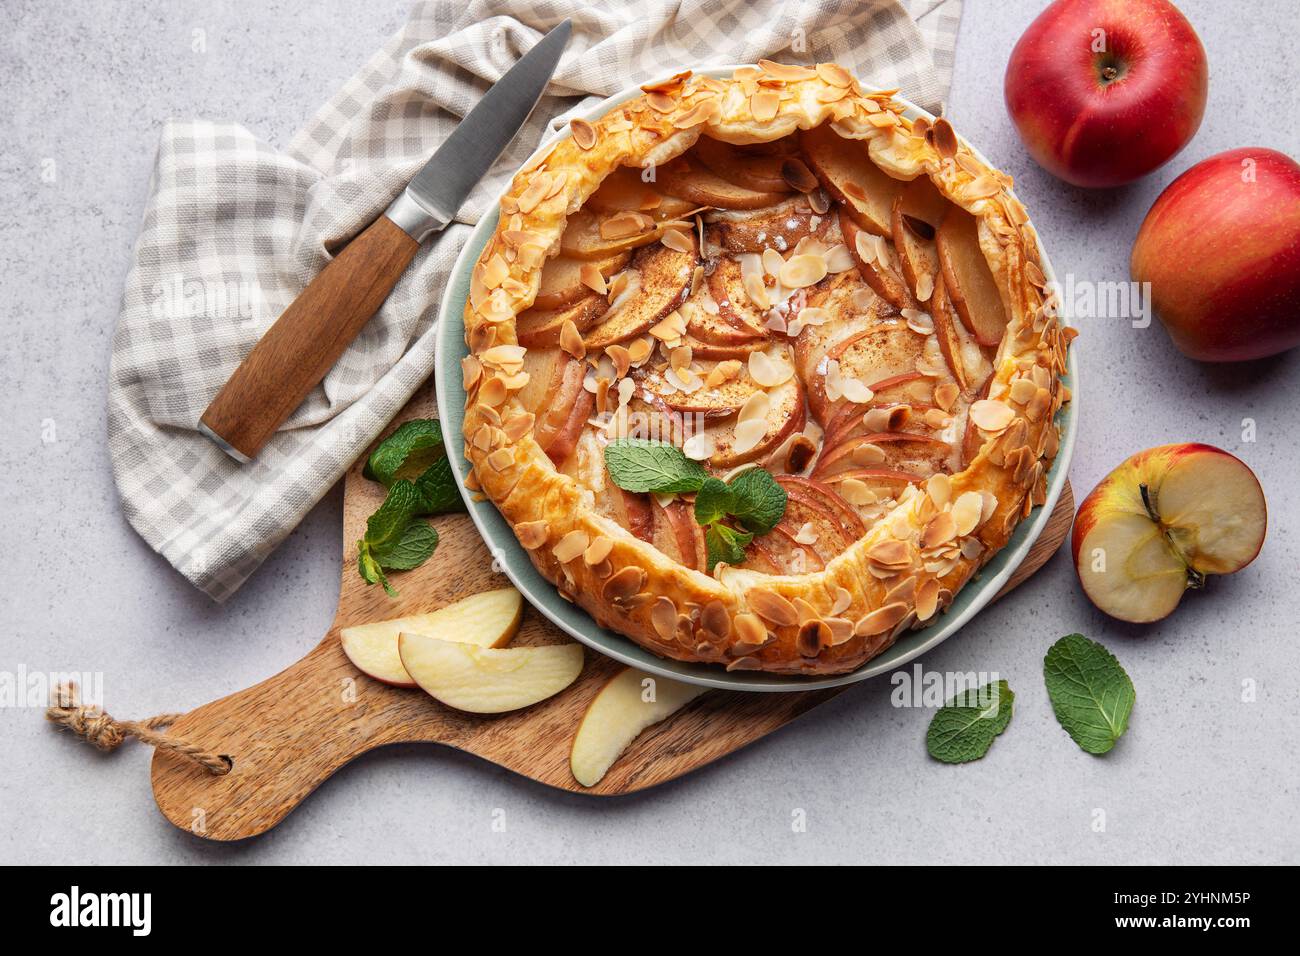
437,489
406,453
387,525
713,501
758,501
637,464
1091,694
725,545
963,729
395,538
411,550
369,568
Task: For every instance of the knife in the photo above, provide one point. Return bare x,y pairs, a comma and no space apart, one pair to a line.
307,339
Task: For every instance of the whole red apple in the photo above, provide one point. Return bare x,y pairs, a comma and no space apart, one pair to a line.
1221,249
1105,91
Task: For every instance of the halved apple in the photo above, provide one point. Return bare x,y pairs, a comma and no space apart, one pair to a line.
561,281
489,619
846,170
664,277
630,702
917,213
1162,522
690,180
540,328
880,268
968,278
483,680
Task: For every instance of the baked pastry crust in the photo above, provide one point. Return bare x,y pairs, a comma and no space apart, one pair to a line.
911,562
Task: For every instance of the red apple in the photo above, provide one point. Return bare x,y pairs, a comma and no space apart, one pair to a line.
1160,523
1105,91
1221,249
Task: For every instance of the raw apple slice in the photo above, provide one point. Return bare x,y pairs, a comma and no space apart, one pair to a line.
878,264
540,328
968,279
630,702
690,180
1162,522
590,235
561,281
759,170
664,281
779,227
489,619
917,213
847,172
484,680
625,191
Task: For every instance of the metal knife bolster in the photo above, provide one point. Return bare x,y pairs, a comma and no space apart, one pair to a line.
417,219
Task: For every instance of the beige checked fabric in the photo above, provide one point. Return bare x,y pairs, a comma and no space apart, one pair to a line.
234,229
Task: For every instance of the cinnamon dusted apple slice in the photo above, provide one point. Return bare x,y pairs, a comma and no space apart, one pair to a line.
713,389
545,368
629,703
564,412
779,227
945,331
736,440
878,264
740,294
844,306
689,179
968,278
565,281
810,500
484,680
896,406
759,170
541,328
676,533
864,487
781,549
718,352
624,190
590,235
846,170
917,213
713,328
879,353
662,283
912,452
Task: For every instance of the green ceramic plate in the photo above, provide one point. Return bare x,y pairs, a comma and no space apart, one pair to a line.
573,620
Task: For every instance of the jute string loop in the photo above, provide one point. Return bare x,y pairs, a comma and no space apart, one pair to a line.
107,733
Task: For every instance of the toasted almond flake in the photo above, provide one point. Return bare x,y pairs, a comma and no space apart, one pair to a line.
1038,405
501,459
622,359
769,372
991,415
663,618
971,548
598,550
890,552
839,259
724,371
1023,390
966,512
1034,274
925,287
982,187
813,636
941,530
764,105
772,607
591,276
623,586
805,610
751,273
702,112
882,619
944,138
945,395
684,380
584,134
470,370
492,392
639,350
625,224
660,102
699,447
801,271
571,340
866,247
856,492
788,72
532,534
772,262
570,546
856,391
626,389
927,600
519,425
806,534
834,74
531,197
755,407
867,454
515,382
751,633
671,328
939,488
937,418
748,435
677,240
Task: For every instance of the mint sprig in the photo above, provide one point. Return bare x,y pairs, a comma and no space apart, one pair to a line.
641,465
1091,694
965,727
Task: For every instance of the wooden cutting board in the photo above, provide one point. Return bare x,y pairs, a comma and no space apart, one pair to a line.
288,734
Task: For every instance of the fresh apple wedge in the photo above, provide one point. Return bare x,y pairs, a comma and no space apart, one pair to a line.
967,278
484,680
878,264
780,227
917,213
630,702
664,281
689,179
540,328
489,619
756,169
625,191
846,170
561,282
1162,522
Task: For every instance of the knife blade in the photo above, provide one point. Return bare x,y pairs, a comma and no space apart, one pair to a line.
303,344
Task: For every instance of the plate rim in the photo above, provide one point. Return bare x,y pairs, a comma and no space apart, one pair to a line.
509,554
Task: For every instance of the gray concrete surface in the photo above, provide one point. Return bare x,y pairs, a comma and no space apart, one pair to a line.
1202,776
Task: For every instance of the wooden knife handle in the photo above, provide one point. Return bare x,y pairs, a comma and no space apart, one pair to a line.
305,342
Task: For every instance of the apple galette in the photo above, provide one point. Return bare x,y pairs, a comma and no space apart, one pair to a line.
762,371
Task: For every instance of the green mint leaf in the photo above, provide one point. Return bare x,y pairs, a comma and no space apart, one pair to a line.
636,464
406,453
387,525
1091,694
411,550
713,501
370,570
963,729
759,502
725,545
437,489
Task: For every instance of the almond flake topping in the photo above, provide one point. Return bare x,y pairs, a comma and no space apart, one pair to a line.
991,415
584,134
532,534
748,435
570,546
699,447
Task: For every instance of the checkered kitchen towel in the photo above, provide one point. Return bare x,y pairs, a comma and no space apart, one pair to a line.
235,228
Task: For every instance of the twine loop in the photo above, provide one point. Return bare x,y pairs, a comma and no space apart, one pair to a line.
106,733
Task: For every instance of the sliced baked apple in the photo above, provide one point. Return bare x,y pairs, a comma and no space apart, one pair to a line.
564,412
915,219
676,533
968,278
781,549
736,442
759,170
630,702
780,227
945,331
663,283
848,306
714,328
847,172
878,353
911,452
625,191
718,351
716,401
590,235
837,522
562,282
484,680
540,328
878,264
736,305
689,179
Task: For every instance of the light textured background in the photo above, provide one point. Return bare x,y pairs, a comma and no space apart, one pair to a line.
1201,776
